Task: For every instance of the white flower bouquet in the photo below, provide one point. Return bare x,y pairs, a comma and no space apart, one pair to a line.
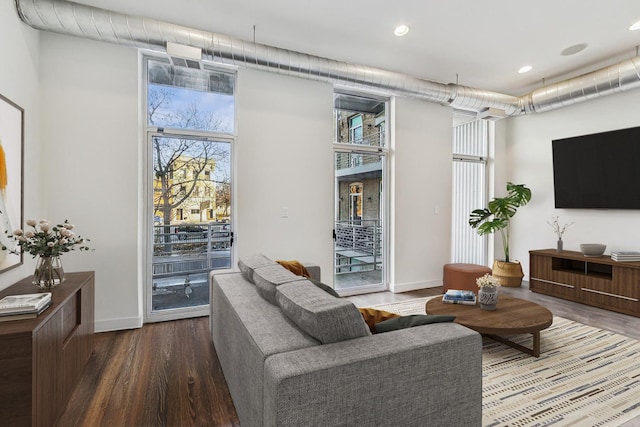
488,281
47,240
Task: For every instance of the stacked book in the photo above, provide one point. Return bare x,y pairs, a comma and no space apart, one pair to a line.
27,306
453,296
625,256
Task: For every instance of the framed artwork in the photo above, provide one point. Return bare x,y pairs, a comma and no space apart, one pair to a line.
11,175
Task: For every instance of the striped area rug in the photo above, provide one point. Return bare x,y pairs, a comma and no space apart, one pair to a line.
584,376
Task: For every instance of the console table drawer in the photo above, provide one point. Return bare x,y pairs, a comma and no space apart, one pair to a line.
627,281
609,300
553,288
70,318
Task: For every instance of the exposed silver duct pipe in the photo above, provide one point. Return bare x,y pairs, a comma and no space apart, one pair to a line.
103,25
65,17
616,78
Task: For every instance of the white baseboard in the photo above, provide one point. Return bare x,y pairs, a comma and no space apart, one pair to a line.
406,287
118,324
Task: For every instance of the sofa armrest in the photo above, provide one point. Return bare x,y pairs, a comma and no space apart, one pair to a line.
313,270
425,375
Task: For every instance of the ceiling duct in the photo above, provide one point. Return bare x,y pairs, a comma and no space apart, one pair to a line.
605,81
103,25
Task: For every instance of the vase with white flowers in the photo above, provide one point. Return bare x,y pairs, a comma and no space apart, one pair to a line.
488,293
559,230
47,242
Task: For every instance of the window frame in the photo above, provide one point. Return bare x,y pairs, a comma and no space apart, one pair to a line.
146,189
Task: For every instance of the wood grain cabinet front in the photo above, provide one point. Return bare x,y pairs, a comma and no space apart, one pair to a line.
42,359
599,281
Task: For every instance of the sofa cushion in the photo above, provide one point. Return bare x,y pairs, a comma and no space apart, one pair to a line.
328,289
269,277
410,321
249,263
324,317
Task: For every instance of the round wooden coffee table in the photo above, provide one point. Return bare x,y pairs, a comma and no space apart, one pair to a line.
512,316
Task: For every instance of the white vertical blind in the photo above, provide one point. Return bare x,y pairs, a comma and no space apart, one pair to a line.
470,150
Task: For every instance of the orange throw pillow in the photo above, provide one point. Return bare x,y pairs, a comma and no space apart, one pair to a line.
372,316
295,267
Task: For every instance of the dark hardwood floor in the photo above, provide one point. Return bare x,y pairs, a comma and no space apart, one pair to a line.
168,374
164,374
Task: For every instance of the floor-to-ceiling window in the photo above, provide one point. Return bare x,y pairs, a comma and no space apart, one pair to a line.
360,149
470,153
190,135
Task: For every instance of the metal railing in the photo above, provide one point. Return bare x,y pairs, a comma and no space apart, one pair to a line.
190,248
358,245
351,160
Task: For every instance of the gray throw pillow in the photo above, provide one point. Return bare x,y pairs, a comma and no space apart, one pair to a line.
410,321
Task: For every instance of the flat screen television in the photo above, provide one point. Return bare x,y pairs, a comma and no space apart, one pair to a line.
598,171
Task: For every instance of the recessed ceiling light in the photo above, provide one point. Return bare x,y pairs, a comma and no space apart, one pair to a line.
635,27
525,69
401,30
572,50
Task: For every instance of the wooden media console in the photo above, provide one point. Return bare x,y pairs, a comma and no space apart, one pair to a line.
596,281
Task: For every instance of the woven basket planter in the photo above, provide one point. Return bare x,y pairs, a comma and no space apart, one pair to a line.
509,273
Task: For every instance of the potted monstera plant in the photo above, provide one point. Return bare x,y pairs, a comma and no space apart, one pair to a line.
497,217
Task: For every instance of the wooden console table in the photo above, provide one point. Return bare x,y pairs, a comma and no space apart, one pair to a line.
596,281
41,359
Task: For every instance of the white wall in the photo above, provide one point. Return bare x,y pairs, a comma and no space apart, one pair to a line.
421,193
82,158
19,66
89,99
284,159
529,161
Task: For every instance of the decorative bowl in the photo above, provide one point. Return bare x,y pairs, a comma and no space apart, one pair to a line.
592,249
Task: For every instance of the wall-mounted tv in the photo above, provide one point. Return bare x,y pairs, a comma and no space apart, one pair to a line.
598,171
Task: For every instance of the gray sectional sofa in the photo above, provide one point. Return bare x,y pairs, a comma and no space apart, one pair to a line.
294,355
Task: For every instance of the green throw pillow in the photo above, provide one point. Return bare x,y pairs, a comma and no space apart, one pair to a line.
328,289
411,321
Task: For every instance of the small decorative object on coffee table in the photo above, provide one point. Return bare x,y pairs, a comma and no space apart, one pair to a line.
453,296
48,242
488,294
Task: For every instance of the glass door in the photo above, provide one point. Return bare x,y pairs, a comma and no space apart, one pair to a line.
192,229
360,203
190,130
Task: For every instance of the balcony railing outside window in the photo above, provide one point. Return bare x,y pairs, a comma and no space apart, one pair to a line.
190,248
358,245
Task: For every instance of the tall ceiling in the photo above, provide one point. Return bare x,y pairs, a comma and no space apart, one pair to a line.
474,43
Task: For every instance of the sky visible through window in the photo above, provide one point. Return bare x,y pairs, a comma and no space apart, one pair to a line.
215,111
